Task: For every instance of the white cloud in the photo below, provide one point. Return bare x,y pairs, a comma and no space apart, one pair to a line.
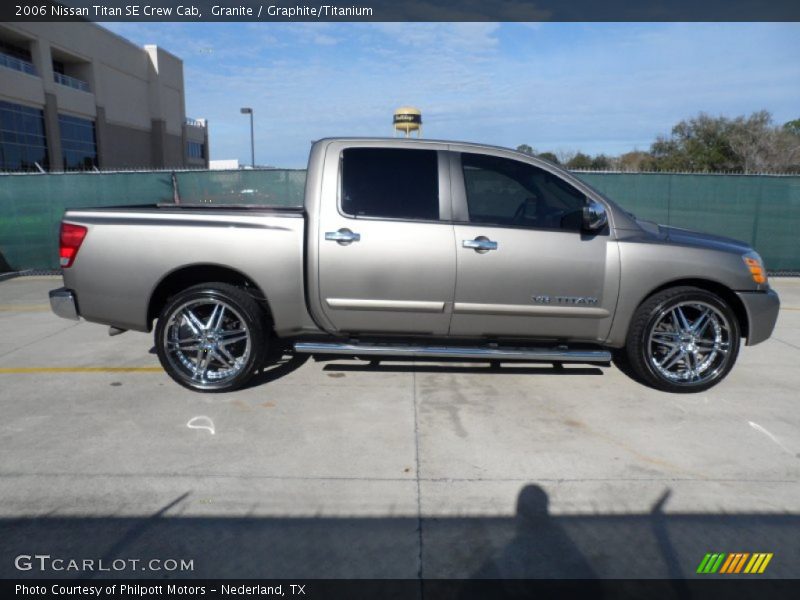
595,87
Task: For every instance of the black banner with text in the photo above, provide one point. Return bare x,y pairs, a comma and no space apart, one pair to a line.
402,589
400,10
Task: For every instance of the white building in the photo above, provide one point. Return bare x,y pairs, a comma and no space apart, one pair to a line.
77,96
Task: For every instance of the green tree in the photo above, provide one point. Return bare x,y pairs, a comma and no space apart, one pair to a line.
580,161
746,143
636,161
762,146
549,156
526,149
601,162
701,143
792,127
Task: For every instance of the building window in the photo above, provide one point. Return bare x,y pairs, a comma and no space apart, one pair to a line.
16,57
61,77
196,150
78,143
22,139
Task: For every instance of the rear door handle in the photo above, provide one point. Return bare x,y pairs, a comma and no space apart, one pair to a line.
344,236
480,244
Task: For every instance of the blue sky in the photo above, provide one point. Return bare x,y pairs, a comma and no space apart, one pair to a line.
594,87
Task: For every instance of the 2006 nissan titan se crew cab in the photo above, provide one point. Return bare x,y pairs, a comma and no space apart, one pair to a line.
425,249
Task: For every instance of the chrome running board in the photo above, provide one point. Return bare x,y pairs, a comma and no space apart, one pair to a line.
474,352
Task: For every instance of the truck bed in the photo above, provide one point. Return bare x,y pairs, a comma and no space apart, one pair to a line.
130,251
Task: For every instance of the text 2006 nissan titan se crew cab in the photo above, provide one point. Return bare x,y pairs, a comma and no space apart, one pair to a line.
416,248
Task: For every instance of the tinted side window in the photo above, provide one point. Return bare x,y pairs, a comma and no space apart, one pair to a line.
390,183
507,192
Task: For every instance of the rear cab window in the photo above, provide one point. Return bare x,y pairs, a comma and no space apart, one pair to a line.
390,183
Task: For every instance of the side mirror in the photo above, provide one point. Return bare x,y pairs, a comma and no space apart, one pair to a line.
594,216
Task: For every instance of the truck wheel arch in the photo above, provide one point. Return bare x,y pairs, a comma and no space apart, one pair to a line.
188,275
721,290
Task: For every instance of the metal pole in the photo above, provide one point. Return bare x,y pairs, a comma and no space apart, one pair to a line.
252,143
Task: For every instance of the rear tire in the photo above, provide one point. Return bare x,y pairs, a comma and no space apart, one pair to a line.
211,337
681,340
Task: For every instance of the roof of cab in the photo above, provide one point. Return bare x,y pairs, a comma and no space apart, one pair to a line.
420,142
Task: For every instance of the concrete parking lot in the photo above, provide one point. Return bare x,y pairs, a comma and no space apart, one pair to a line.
346,469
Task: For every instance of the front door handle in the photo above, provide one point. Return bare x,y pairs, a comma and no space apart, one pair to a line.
344,236
480,244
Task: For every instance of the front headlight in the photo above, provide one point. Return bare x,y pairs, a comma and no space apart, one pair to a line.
756,267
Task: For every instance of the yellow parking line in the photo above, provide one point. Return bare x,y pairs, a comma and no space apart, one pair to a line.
790,307
34,278
10,370
24,307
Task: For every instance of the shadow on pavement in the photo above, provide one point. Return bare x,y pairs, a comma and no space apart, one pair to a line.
4,266
531,544
278,366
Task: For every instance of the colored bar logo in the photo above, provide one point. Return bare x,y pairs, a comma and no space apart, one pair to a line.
733,563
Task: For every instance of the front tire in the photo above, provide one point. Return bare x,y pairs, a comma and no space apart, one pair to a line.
211,337
682,340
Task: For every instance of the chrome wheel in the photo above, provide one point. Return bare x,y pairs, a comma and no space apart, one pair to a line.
207,342
689,343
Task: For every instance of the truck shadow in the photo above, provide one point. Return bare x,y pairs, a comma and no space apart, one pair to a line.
277,365
532,543
4,266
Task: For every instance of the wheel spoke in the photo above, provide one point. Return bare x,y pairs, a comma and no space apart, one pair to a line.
230,332
181,345
707,342
209,325
711,342
681,354
222,360
684,323
676,324
220,318
194,323
721,348
691,365
230,357
667,334
231,337
665,338
675,350
214,322
183,341
203,359
701,322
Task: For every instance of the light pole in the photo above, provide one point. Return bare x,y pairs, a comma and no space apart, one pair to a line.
249,111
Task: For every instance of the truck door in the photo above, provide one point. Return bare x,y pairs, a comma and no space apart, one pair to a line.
525,268
385,242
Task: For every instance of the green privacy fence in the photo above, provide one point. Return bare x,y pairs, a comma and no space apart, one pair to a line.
31,206
274,187
763,210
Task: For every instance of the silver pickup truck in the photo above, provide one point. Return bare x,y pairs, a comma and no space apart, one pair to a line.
423,249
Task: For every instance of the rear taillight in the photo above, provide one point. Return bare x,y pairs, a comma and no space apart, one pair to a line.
71,239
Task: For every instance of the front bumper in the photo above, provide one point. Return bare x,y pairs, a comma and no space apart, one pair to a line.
63,303
762,313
